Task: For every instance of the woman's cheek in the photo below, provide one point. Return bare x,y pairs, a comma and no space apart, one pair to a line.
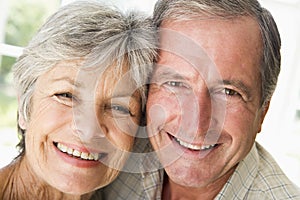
120,132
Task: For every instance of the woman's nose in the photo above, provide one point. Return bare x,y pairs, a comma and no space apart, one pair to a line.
86,123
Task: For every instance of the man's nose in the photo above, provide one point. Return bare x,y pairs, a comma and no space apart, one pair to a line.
196,113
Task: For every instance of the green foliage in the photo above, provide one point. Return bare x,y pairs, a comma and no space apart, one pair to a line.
6,64
23,20
8,109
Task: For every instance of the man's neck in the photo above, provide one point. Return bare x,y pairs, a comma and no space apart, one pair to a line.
174,191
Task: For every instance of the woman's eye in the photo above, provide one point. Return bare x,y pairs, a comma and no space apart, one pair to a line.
65,98
65,95
175,83
117,109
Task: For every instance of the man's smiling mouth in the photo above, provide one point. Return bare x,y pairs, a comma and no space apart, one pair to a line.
78,154
193,146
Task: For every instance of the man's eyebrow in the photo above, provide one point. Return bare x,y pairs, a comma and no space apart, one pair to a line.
166,74
240,85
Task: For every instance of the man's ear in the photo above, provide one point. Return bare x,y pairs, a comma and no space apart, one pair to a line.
264,110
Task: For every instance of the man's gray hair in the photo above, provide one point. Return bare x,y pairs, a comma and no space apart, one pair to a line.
178,10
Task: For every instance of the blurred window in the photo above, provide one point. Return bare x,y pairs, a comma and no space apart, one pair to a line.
19,20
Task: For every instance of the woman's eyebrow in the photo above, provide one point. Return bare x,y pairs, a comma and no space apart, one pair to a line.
69,80
64,79
124,95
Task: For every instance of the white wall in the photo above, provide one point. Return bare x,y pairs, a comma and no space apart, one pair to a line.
281,133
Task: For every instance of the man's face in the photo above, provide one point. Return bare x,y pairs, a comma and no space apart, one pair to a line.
203,110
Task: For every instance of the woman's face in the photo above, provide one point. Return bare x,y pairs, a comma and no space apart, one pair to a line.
80,130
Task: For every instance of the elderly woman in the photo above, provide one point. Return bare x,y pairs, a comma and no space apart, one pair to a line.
81,90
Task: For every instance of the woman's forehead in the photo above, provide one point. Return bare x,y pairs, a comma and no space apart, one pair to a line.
108,81
114,83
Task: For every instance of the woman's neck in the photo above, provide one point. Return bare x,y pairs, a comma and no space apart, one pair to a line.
20,182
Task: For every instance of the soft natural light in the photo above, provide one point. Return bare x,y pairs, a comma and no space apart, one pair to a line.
281,129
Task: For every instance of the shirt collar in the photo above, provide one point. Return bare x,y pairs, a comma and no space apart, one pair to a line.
242,178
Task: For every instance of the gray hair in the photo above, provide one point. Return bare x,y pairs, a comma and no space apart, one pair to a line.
271,57
83,30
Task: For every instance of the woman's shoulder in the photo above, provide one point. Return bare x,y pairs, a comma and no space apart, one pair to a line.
5,175
5,172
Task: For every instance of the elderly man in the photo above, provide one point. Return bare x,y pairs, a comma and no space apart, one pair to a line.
217,70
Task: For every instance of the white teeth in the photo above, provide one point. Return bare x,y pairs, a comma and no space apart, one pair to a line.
76,153
62,147
194,147
95,156
84,155
91,157
70,151
206,147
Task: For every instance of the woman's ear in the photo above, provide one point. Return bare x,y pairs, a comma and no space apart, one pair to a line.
21,121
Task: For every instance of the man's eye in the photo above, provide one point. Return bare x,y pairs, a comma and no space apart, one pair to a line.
230,92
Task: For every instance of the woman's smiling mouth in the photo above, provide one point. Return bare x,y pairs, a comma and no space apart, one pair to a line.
78,154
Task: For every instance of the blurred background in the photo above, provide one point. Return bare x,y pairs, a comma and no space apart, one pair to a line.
19,20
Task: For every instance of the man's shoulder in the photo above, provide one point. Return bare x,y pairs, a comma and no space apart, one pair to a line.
270,180
258,176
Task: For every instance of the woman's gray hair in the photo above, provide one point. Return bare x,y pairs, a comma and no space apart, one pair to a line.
83,30
178,10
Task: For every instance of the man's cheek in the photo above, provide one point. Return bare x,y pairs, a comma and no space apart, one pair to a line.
160,112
